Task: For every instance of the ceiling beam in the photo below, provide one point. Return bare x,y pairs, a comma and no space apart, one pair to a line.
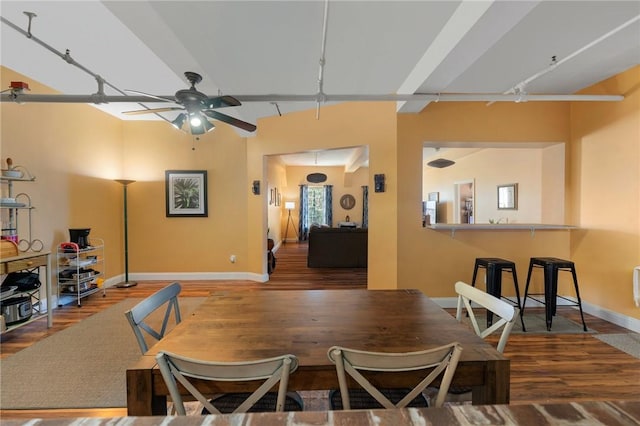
466,15
359,158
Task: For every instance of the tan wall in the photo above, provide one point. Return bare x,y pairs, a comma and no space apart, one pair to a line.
605,139
339,126
434,260
186,244
276,179
552,207
74,151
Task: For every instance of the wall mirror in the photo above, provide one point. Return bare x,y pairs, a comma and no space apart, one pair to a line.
508,196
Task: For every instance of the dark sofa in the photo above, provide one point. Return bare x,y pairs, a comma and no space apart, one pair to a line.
337,248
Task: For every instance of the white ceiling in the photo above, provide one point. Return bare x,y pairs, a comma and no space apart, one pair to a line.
274,47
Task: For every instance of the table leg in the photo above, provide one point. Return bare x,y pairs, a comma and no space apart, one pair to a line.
497,378
140,398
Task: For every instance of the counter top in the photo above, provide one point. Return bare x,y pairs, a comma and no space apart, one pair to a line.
532,227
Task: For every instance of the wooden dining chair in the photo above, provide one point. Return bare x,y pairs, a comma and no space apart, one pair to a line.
272,371
139,314
506,312
433,362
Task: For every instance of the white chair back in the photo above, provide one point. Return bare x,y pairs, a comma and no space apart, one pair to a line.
179,369
139,313
443,359
507,312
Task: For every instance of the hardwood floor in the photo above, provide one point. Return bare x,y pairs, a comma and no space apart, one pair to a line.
544,368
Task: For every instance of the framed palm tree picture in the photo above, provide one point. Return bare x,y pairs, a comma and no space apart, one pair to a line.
186,193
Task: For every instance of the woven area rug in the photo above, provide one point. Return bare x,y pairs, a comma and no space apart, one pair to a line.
626,342
83,366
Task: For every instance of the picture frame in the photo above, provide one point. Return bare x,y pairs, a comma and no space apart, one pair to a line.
508,196
186,193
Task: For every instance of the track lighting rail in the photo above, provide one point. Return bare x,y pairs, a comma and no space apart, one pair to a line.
97,98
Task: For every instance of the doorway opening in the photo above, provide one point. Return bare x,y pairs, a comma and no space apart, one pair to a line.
464,201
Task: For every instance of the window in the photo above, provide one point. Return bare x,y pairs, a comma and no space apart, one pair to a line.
316,205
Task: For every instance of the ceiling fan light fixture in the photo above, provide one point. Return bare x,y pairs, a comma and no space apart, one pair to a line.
196,130
195,120
208,126
441,163
179,121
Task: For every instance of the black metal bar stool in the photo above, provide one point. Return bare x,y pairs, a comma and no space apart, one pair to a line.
551,267
494,267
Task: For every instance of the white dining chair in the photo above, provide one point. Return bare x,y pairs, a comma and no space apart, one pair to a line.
139,313
435,362
506,312
177,369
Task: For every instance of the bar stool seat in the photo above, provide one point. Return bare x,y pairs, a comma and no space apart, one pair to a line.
494,267
551,266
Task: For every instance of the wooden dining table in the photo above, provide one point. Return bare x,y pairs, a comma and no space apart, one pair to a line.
245,325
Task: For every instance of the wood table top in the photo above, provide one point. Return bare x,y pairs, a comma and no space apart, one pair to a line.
242,325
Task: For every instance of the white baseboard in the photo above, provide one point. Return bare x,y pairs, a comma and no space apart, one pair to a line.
630,323
177,276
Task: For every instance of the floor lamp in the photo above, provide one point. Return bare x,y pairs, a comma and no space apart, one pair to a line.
289,205
126,283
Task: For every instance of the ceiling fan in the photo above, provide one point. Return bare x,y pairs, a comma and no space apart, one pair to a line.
198,107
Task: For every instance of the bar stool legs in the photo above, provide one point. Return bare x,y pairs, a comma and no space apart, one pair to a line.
494,268
551,266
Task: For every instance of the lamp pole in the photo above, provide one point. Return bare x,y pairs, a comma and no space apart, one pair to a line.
126,283
289,205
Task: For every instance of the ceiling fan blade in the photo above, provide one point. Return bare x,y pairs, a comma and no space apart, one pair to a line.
153,110
222,101
150,95
230,120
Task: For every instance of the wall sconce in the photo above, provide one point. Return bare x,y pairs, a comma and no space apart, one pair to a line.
255,188
378,182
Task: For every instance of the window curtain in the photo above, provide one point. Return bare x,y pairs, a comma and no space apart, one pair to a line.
365,206
303,227
328,204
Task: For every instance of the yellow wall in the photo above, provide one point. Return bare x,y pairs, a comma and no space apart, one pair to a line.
434,260
75,151
276,179
345,125
186,244
605,173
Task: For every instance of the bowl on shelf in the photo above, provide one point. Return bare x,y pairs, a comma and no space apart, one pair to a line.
12,173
